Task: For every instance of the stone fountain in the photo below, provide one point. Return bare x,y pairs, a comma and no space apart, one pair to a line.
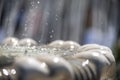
25,59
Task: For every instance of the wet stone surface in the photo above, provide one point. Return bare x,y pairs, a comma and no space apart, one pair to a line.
59,60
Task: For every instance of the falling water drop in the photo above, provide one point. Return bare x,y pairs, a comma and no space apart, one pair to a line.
52,31
26,28
36,7
38,2
56,15
25,24
39,41
56,19
51,36
32,4
24,35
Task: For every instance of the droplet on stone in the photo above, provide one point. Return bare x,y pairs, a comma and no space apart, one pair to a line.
70,45
27,42
57,43
10,41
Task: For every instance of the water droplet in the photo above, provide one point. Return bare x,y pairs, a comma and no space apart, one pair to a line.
52,31
72,46
43,65
26,28
54,49
56,19
24,35
38,2
65,53
56,15
5,72
95,54
39,41
13,71
32,4
36,7
85,63
25,24
51,36
56,60
42,49
103,52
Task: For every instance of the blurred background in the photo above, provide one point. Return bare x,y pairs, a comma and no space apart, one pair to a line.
83,21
